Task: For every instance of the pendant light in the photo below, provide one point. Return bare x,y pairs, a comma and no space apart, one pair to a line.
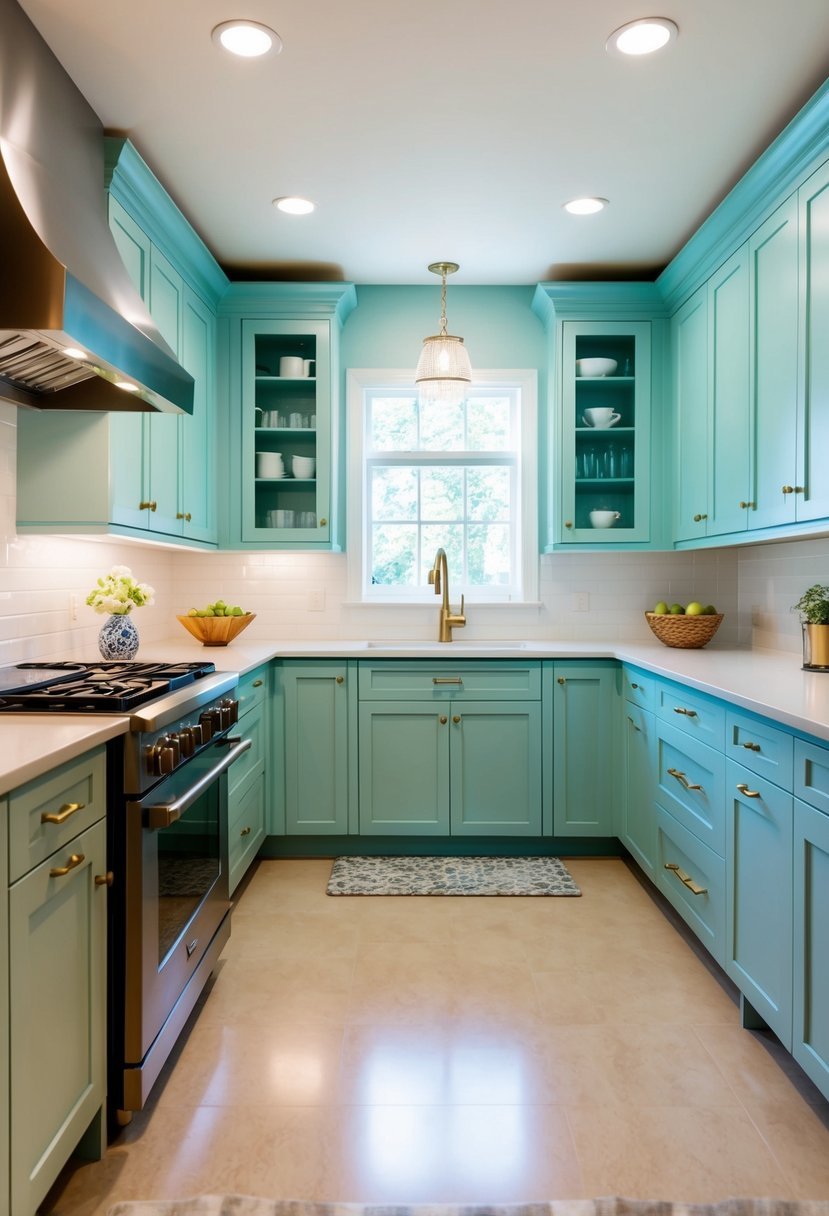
443,369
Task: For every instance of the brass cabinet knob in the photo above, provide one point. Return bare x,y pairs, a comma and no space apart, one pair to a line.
456,718
787,489
185,515
245,832
568,523
443,719
562,680
257,683
323,522
340,679
698,518
105,880
745,506
150,504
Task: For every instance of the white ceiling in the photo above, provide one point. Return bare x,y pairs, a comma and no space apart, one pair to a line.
443,129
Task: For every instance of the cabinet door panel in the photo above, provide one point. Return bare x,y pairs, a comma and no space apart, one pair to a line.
639,809
691,785
165,304
404,769
813,472
689,331
810,1031
57,934
759,928
774,365
582,750
693,879
198,455
316,750
495,753
730,422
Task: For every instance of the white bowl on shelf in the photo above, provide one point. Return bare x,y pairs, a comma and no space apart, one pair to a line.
591,368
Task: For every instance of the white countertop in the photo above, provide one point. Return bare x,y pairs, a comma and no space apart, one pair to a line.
771,683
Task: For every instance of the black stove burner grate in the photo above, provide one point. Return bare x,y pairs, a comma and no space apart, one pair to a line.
107,686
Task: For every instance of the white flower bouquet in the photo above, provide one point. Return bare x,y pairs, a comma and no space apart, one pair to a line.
117,593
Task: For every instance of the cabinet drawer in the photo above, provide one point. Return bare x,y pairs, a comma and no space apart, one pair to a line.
484,681
811,774
639,689
75,795
252,689
692,878
692,713
253,727
691,785
761,747
246,828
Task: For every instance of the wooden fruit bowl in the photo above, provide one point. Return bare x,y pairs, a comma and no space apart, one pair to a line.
684,632
216,630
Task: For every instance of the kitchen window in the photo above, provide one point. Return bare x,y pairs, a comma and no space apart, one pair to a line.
424,475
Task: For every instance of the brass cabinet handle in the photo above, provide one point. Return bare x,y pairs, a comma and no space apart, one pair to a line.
746,792
185,515
688,713
150,503
323,522
447,680
340,679
105,880
443,719
68,808
792,489
562,680
753,747
73,862
257,683
698,518
693,887
744,506
633,724
683,780
456,718
245,832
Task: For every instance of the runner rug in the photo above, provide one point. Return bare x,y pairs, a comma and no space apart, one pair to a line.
248,1205
451,876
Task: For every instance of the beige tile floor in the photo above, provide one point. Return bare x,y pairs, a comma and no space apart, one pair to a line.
465,1050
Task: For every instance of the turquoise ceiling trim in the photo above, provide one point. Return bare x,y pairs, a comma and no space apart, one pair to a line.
290,300
634,301
799,149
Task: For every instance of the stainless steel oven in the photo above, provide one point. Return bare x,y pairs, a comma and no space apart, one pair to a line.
175,908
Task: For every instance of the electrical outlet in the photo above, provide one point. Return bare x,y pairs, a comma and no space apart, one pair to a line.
73,606
316,600
580,601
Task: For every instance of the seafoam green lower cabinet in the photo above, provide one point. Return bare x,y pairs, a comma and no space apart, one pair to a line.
57,974
495,769
583,749
404,768
638,813
315,698
248,781
758,954
810,1030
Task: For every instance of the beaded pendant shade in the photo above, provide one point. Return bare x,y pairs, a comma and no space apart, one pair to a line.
443,369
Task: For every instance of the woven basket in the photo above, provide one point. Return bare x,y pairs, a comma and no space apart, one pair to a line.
216,630
684,632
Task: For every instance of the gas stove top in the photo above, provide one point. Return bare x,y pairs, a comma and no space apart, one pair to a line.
104,687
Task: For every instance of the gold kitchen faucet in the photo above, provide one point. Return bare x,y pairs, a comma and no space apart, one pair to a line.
439,579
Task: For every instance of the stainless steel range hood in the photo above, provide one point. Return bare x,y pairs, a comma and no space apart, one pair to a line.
62,282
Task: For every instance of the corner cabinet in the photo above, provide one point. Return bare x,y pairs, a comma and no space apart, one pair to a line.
280,355
148,476
604,439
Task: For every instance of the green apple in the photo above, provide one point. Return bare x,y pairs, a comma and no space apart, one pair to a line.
694,609
661,608
709,610
193,612
676,610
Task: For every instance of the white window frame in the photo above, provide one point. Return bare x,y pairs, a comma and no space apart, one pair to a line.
361,380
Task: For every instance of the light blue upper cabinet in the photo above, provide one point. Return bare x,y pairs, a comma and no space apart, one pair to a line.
813,429
689,350
606,436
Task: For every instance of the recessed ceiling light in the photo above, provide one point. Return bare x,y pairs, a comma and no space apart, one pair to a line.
642,37
585,206
247,38
292,205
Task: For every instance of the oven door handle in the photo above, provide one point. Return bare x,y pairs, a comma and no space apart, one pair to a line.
163,814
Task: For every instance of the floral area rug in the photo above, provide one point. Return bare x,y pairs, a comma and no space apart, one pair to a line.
248,1205
451,876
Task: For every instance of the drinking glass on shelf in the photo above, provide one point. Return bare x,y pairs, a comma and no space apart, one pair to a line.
587,463
626,462
611,461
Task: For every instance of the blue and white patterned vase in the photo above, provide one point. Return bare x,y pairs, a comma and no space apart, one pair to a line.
118,638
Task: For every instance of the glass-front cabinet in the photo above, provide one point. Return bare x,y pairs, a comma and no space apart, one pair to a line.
606,395
286,450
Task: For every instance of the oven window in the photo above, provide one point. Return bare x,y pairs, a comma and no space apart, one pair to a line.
188,866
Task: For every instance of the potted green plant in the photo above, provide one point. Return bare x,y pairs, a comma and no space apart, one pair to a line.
813,607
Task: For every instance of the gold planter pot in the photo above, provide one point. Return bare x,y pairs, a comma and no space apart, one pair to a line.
815,645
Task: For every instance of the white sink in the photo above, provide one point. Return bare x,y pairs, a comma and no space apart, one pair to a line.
448,647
